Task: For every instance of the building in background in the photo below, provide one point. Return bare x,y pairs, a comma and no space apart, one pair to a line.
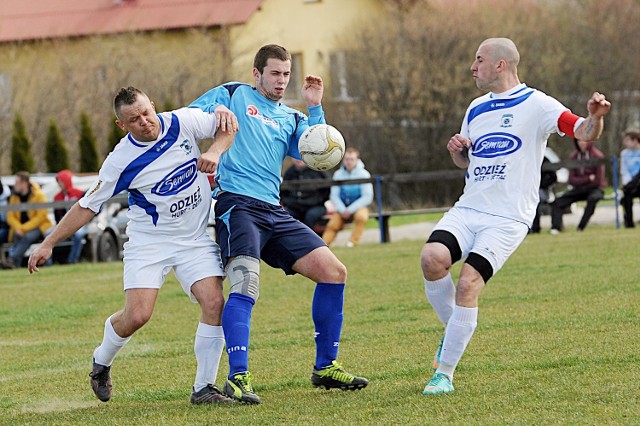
59,58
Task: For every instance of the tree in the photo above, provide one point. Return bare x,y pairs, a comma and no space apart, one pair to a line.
21,158
56,153
87,145
115,135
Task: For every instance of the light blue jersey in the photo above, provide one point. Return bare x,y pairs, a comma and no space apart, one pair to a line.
268,132
629,164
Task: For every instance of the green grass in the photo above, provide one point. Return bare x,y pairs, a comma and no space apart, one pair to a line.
558,342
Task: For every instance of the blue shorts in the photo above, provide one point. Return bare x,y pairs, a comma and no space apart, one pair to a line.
250,227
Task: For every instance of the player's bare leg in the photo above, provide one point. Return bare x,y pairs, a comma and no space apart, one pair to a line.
119,327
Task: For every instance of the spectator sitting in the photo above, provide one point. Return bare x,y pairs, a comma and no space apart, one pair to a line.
630,174
305,204
69,193
4,227
351,201
547,179
28,226
586,182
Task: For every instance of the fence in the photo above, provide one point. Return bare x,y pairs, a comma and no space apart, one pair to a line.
381,213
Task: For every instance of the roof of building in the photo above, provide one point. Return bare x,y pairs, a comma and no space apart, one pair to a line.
48,19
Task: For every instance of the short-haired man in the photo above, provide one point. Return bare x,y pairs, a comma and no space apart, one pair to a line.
350,201
169,205
630,173
501,145
252,225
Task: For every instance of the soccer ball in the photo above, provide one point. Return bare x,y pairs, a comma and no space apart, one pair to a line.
321,147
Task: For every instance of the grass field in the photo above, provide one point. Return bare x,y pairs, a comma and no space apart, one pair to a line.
558,342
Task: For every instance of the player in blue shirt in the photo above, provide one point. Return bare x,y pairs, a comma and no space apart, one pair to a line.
252,225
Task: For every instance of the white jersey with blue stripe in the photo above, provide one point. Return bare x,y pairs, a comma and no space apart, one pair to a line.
168,198
268,132
509,133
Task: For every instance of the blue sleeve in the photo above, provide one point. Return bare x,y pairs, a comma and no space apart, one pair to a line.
213,99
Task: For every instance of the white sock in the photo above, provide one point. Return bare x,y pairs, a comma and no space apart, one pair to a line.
460,328
110,346
208,348
442,296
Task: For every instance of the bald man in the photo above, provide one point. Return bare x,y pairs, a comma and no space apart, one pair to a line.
501,145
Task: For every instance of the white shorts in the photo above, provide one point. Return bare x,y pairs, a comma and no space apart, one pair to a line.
147,265
494,238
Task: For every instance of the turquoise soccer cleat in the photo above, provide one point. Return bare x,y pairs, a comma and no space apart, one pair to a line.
439,383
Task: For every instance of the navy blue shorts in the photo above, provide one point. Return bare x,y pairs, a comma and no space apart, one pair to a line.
250,227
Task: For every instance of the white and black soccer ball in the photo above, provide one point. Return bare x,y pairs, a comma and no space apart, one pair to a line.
321,147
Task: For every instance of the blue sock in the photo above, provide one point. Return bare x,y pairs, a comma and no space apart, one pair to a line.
326,311
236,323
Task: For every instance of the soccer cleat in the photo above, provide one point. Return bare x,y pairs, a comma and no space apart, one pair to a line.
101,381
334,376
436,357
439,383
209,394
239,388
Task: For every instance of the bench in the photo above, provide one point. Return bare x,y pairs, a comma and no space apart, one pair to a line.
383,218
385,215
5,247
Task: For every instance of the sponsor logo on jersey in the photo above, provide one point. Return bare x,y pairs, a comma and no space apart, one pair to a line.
506,120
190,202
161,146
180,178
493,172
186,146
253,112
496,145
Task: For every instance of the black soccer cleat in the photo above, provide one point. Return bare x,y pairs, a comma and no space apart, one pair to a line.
334,376
209,394
240,389
101,381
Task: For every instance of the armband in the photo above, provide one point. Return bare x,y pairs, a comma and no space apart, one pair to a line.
567,123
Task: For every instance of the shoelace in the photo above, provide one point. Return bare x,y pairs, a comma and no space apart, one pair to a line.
336,372
102,377
438,378
244,380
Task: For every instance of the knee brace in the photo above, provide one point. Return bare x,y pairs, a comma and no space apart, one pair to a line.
243,273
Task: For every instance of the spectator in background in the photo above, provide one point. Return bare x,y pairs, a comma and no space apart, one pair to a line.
4,227
69,193
351,201
547,179
27,226
630,173
586,183
305,204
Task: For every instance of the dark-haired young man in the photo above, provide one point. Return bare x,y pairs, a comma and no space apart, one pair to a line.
252,225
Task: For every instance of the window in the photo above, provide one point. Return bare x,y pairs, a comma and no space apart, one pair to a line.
295,82
345,84
5,95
